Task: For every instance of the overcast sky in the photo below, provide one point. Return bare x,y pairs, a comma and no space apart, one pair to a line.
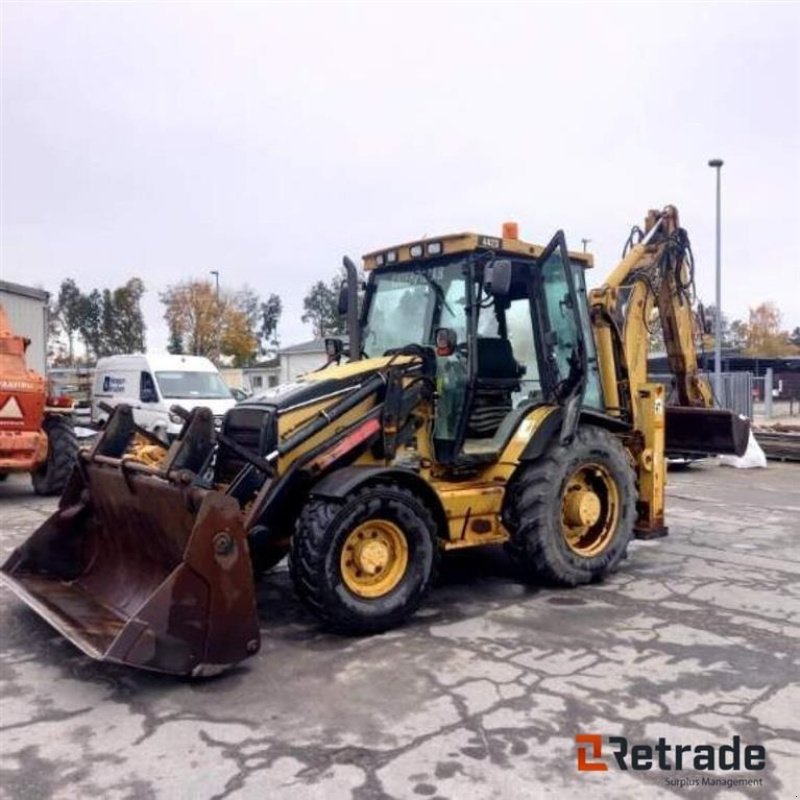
265,140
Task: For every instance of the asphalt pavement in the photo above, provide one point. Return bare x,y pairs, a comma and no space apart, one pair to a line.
695,640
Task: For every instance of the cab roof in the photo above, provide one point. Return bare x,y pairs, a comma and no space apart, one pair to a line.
422,250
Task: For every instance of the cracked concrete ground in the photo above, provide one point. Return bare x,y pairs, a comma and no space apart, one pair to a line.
695,639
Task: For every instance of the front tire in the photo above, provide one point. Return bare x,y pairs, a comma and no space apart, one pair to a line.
572,512
365,563
62,453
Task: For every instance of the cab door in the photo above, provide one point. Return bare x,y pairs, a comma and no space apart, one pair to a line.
557,311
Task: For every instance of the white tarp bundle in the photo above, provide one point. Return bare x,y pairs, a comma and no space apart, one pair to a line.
753,457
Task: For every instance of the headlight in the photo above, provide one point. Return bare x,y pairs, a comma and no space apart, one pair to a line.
175,419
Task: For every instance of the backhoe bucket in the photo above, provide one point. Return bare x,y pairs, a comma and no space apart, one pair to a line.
705,431
142,569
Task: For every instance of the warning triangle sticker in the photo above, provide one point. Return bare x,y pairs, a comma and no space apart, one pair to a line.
11,409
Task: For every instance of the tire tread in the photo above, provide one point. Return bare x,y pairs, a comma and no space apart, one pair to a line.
532,546
308,552
62,452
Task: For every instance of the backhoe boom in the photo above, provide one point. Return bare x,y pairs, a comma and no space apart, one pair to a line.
657,272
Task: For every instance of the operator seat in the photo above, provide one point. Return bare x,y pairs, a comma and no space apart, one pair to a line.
497,378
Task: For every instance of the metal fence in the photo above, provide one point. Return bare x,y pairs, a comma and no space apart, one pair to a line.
736,391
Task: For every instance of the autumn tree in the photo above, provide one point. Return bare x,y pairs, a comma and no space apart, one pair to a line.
320,308
734,332
764,334
206,323
237,337
192,315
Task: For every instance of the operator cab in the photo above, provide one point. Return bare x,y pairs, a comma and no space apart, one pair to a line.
509,325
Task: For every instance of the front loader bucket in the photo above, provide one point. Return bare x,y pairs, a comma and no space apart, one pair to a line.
142,569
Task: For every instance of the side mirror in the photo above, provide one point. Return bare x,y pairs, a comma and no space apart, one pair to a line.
498,277
341,304
446,341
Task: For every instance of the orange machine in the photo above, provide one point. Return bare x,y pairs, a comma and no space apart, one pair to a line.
36,433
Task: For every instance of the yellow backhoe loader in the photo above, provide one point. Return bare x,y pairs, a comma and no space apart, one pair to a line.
482,397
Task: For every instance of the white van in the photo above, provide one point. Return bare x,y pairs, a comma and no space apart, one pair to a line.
151,384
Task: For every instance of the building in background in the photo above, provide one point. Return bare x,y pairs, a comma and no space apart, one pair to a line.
785,370
262,375
298,359
234,377
27,309
76,383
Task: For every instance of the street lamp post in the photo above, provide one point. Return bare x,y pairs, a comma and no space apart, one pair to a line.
215,273
716,163
585,242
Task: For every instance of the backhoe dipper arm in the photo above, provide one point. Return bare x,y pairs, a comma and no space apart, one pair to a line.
655,272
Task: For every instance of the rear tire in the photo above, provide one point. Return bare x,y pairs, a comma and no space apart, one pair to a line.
62,453
364,564
572,511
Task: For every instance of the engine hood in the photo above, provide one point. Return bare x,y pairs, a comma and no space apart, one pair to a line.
328,381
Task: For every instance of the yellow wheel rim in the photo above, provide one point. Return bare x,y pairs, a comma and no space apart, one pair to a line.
374,558
590,510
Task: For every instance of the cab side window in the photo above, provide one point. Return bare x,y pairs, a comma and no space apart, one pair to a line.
147,388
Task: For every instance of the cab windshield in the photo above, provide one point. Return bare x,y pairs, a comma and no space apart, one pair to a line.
192,385
407,306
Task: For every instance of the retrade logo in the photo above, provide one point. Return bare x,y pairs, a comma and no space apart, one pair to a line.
590,746
640,757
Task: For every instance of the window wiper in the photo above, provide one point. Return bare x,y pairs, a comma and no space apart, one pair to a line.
439,293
